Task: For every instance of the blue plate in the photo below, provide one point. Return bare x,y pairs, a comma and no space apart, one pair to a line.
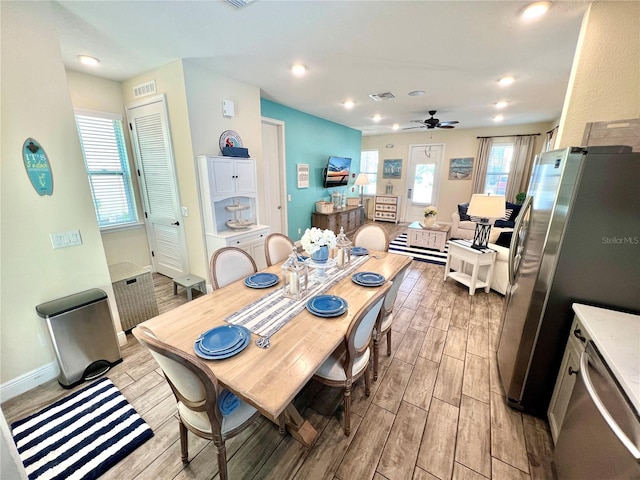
368,279
261,280
327,315
221,351
222,355
359,251
222,338
327,304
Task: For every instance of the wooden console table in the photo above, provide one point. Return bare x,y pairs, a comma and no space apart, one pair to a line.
349,218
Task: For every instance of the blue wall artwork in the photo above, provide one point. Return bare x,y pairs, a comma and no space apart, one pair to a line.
392,169
38,168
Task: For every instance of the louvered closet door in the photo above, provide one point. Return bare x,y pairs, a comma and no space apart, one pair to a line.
151,140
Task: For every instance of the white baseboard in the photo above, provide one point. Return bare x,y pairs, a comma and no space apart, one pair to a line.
37,377
29,380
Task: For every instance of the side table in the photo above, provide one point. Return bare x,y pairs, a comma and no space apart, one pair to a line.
480,261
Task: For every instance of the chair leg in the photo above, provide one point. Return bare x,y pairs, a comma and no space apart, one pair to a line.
367,382
376,353
389,343
347,410
282,428
184,442
222,461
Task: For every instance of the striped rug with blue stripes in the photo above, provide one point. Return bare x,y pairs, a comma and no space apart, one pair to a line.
80,436
399,245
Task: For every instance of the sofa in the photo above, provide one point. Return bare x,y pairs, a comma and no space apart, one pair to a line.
462,226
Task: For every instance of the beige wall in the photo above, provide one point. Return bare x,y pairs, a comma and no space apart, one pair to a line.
102,95
605,77
36,103
458,143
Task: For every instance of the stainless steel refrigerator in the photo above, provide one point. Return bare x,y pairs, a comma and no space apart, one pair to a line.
577,239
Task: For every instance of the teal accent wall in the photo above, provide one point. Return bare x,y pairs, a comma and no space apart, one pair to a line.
312,140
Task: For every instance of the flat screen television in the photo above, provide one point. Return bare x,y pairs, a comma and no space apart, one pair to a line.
337,172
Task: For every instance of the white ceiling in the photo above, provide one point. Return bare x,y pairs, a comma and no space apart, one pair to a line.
453,50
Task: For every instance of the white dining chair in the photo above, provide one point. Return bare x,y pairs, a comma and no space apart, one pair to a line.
350,360
229,264
277,247
196,390
372,237
385,319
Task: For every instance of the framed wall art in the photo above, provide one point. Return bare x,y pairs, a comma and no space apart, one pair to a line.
460,168
303,175
392,169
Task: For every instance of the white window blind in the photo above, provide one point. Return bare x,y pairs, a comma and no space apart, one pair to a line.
105,157
369,165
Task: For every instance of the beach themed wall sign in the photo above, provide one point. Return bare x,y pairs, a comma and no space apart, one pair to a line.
460,168
37,165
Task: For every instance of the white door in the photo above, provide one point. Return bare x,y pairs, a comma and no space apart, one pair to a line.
274,211
423,179
151,142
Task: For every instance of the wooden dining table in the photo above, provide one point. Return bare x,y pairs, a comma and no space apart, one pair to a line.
269,379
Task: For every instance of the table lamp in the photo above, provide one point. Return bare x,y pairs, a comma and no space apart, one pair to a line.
362,180
485,206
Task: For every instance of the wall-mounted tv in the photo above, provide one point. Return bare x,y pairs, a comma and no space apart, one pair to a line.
337,172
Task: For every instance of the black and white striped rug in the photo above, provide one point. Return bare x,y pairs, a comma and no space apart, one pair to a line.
399,245
80,436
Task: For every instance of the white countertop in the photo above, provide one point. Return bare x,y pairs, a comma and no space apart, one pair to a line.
617,336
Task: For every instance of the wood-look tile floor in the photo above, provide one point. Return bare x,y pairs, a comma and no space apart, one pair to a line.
437,410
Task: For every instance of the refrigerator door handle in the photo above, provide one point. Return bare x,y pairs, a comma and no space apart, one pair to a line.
517,240
615,428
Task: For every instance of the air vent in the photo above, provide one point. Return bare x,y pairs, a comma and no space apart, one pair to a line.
144,89
379,97
239,3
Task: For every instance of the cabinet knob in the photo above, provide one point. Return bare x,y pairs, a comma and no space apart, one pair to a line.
578,334
573,372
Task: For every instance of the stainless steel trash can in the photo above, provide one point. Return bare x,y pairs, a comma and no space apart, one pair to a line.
83,335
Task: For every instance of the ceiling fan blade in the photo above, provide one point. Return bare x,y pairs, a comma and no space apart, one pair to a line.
453,122
412,128
417,121
445,126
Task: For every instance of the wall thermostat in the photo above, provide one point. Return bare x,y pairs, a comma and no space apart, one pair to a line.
227,108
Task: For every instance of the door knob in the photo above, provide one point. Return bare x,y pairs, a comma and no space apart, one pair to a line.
176,223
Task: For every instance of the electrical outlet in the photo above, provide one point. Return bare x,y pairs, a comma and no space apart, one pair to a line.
289,199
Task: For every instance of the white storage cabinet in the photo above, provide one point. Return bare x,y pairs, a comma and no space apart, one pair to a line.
387,208
228,192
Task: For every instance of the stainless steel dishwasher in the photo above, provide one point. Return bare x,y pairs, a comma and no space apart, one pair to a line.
600,436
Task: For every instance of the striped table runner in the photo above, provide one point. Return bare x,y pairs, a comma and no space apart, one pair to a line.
270,313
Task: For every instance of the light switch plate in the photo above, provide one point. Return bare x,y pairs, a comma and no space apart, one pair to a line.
71,238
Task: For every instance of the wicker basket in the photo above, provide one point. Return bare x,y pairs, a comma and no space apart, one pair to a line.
353,201
324,207
135,297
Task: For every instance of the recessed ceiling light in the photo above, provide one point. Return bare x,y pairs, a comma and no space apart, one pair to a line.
504,81
87,60
535,10
349,104
376,118
416,93
502,104
298,69
498,118
395,126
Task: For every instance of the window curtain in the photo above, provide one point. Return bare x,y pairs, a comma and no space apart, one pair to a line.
549,140
521,165
480,173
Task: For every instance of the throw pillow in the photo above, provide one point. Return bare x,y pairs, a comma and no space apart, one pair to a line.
515,210
507,214
462,211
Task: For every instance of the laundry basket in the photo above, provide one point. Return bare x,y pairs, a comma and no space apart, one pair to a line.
84,338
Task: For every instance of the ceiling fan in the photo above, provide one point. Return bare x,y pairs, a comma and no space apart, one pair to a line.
432,122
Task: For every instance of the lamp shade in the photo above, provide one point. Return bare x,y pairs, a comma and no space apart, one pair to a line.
362,179
486,206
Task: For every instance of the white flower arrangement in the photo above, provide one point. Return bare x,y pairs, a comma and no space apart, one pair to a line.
430,211
314,238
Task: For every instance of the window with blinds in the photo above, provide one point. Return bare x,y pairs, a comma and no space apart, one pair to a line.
105,157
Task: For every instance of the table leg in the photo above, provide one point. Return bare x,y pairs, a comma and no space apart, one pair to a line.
175,288
446,266
474,278
189,294
489,277
299,428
